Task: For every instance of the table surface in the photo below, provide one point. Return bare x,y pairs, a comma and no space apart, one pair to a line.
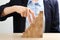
17,36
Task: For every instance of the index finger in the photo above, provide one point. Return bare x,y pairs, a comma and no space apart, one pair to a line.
32,13
29,17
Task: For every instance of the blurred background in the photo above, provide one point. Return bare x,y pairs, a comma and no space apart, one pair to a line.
7,25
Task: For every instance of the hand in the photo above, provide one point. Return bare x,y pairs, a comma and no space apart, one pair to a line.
8,10
25,12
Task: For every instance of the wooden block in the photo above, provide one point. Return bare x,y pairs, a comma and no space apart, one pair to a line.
35,29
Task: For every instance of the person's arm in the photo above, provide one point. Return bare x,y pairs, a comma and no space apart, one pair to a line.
8,10
23,11
2,7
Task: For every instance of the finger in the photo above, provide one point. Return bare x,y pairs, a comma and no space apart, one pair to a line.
28,15
25,13
22,14
32,13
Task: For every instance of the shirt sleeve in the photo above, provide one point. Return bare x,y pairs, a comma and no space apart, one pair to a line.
2,18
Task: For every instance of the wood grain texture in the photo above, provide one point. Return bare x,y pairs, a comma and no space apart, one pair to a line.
35,29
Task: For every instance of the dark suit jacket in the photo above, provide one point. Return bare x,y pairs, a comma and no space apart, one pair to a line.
51,15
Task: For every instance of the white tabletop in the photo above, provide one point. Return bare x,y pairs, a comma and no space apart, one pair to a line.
17,36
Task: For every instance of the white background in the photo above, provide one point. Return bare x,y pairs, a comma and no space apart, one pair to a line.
7,25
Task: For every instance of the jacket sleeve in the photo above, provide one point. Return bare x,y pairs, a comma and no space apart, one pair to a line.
2,18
